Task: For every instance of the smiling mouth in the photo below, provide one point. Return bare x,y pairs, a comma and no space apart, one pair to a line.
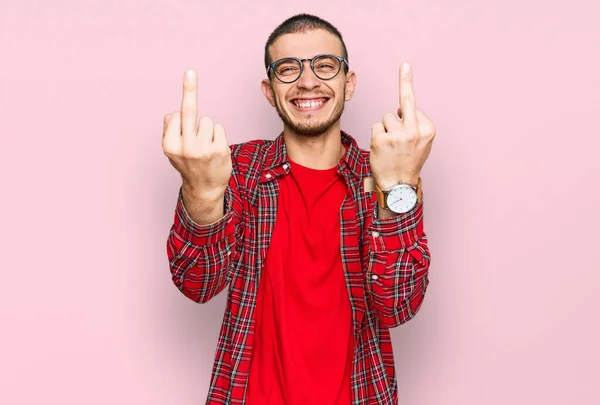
309,104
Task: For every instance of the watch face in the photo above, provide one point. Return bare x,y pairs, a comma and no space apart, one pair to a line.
401,199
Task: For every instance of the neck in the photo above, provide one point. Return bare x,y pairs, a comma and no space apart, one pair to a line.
321,152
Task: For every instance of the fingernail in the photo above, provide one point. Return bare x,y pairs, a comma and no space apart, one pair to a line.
189,75
406,67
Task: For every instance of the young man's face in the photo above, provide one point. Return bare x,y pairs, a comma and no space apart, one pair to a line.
309,106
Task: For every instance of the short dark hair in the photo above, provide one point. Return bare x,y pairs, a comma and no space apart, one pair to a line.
302,23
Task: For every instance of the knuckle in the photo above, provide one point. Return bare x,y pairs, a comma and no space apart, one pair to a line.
392,140
206,121
377,136
189,85
427,134
411,136
388,115
187,109
408,99
169,150
191,155
205,154
169,117
223,152
168,155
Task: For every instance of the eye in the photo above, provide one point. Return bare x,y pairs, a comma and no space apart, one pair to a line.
287,67
325,66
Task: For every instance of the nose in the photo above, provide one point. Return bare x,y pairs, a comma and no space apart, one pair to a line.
308,80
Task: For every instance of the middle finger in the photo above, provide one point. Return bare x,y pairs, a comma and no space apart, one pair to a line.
189,104
407,97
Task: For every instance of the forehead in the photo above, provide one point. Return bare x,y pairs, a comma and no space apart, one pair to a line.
305,45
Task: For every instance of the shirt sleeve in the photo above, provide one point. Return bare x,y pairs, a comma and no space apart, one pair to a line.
397,275
201,256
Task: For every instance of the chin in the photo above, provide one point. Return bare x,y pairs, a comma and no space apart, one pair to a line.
310,128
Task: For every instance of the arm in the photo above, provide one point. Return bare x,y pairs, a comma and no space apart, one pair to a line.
397,275
397,246
209,209
201,255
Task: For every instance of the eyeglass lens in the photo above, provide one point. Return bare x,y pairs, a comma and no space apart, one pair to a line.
325,67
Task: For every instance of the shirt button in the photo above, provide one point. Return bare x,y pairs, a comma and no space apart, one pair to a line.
268,175
285,166
375,234
374,277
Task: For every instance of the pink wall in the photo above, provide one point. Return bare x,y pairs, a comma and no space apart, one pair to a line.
88,311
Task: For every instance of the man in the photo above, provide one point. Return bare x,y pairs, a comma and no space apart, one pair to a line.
319,266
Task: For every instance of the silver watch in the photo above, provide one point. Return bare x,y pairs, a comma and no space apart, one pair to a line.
399,199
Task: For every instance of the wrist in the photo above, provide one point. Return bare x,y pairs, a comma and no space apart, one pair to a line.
208,195
399,198
412,180
388,185
203,207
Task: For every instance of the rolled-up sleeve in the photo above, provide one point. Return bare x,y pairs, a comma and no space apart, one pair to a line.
399,259
200,255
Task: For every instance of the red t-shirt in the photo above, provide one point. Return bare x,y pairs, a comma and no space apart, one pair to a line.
303,345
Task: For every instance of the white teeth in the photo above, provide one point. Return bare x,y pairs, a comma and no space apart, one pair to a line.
310,104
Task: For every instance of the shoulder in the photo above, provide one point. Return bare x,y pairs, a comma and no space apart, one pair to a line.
249,147
356,156
366,155
247,155
247,160
366,166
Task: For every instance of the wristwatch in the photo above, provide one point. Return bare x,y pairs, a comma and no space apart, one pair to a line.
399,199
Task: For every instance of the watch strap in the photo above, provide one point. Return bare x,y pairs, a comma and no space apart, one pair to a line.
381,197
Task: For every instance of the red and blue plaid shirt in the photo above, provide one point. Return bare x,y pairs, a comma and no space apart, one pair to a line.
385,262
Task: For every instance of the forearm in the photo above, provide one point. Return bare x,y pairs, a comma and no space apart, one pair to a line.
398,289
199,272
200,255
398,265
204,207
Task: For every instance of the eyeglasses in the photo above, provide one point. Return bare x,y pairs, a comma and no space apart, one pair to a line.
325,67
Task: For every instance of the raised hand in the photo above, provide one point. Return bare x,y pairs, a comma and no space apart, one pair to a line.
199,152
401,143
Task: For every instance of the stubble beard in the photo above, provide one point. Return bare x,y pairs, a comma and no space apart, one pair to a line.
309,127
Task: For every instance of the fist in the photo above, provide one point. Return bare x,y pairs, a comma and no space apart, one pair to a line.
197,149
400,144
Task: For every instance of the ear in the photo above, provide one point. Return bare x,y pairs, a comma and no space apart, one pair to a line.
265,86
350,85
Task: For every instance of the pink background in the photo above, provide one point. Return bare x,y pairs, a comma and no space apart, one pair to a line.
88,311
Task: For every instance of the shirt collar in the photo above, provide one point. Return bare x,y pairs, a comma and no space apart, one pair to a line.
353,159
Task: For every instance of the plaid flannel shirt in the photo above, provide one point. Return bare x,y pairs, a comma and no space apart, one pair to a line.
385,263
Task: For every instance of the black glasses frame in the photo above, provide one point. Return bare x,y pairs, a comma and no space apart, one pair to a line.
312,66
